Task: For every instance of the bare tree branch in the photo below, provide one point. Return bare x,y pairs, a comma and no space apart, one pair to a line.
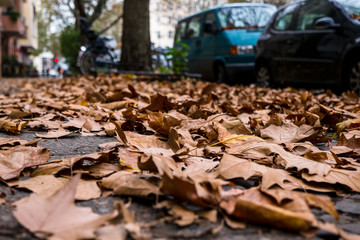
111,24
97,11
79,5
72,10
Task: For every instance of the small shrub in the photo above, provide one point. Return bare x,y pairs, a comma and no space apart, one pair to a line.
178,56
70,45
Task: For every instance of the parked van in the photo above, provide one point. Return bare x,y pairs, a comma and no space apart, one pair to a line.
222,40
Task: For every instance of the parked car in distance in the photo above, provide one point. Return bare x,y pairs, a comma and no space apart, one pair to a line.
222,40
313,42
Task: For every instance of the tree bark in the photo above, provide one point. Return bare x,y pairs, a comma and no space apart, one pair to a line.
136,50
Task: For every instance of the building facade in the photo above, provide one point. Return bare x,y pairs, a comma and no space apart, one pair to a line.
30,42
18,36
164,15
3,4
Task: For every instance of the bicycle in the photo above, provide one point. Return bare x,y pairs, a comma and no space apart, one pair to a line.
99,54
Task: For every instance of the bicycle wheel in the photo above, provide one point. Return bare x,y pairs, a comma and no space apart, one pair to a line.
87,63
104,63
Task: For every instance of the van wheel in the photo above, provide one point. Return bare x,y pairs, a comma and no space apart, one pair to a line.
354,77
220,73
263,77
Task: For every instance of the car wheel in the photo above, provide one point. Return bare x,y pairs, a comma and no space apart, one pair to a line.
354,77
263,77
220,73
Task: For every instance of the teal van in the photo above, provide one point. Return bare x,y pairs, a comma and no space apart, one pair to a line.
222,40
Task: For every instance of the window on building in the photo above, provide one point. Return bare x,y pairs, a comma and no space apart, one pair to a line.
34,10
8,10
158,19
170,6
158,33
196,7
170,20
178,6
170,34
158,6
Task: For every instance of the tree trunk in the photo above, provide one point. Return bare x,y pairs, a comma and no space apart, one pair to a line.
80,12
136,52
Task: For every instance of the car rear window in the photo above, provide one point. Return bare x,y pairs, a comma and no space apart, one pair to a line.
352,7
245,16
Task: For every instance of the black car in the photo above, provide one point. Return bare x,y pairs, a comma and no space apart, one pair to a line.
313,42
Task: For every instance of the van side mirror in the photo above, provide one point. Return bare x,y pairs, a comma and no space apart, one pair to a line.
209,28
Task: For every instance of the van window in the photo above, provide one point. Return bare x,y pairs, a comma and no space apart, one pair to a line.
180,31
193,30
245,17
210,18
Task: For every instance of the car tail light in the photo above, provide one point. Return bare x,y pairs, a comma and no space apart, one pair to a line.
242,49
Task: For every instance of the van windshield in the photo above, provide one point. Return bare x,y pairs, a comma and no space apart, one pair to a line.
245,16
352,7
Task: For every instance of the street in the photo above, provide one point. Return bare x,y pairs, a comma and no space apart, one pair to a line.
72,117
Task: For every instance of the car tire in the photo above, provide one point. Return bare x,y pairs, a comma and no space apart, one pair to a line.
263,76
220,74
354,76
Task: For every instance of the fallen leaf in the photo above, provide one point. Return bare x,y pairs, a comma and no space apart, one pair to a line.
254,206
111,232
182,216
288,133
61,132
351,179
12,127
58,216
257,149
11,142
47,185
14,160
231,167
142,142
128,184
120,133
348,124
56,166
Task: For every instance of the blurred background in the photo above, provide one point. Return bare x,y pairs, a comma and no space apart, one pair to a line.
44,37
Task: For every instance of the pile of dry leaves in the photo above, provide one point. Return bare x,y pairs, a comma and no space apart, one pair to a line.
199,150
